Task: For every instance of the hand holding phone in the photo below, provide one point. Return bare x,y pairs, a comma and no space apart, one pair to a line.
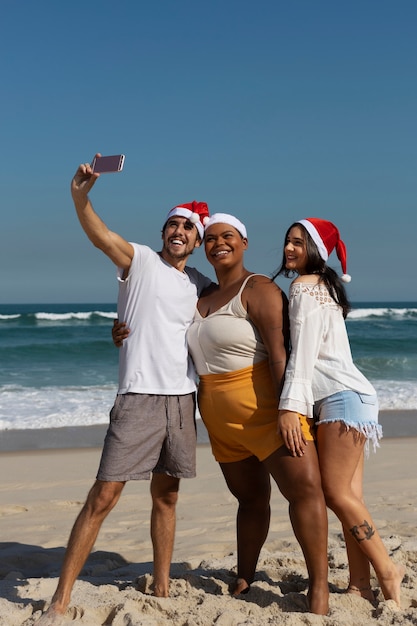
108,164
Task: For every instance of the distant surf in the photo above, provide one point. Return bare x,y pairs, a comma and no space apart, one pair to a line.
58,365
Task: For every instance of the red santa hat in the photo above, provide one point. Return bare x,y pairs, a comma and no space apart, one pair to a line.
196,212
326,236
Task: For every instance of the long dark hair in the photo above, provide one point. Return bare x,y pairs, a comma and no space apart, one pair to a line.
316,265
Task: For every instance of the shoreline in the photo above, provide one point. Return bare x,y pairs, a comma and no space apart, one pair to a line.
67,437
395,424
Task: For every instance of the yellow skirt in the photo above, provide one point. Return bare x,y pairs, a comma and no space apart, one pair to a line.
240,412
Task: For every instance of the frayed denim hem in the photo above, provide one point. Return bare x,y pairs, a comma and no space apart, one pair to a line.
371,430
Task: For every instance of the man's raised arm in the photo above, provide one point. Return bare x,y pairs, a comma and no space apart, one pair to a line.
113,245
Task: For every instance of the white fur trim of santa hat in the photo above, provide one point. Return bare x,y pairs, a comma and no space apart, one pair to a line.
226,218
195,212
314,234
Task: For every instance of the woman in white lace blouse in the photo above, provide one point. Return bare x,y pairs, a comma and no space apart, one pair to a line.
321,380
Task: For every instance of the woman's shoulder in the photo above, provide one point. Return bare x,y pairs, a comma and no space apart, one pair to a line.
258,283
255,280
307,279
310,291
261,291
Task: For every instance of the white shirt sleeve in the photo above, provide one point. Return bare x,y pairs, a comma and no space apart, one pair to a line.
307,324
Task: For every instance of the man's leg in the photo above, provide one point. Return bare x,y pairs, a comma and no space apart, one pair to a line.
164,492
101,499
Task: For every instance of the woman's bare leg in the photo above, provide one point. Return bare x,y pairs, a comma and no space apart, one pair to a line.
298,479
249,482
340,453
359,567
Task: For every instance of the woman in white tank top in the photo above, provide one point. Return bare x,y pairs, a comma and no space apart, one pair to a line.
239,341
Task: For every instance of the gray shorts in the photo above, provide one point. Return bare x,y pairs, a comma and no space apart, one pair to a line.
149,434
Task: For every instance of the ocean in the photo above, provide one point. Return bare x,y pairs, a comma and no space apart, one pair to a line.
58,365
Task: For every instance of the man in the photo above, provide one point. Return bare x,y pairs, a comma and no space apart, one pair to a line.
152,423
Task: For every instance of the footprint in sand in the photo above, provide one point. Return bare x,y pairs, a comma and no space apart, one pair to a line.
12,509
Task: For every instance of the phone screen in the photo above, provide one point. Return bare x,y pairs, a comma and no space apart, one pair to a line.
107,164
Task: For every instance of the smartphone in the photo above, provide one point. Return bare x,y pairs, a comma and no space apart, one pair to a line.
108,164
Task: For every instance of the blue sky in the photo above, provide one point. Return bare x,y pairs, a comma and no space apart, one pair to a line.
270,110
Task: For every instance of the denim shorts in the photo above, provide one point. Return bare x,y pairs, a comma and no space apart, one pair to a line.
355,410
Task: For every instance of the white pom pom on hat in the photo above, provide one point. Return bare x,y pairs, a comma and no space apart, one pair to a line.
326,236
194,218
194,211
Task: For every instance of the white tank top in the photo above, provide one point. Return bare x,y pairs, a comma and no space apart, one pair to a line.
225,340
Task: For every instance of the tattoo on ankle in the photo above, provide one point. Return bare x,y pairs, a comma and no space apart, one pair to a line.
362,532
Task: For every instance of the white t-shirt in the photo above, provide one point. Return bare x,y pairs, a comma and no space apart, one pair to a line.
321,360
157,302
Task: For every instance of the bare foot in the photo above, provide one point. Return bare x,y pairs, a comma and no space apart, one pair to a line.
240,587
367,593
160,592
391,584
318,599
51,618
160,589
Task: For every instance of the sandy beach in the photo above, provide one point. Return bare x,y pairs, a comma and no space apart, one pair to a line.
42,491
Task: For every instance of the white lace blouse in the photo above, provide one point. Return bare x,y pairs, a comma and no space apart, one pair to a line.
321,361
